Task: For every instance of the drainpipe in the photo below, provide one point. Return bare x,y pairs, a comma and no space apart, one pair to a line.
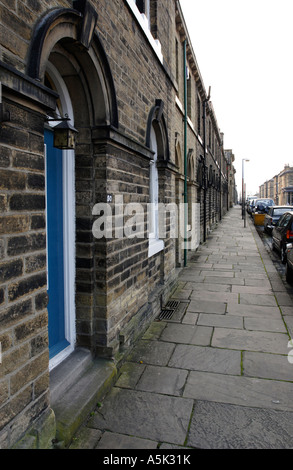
221,156
205,101
185,154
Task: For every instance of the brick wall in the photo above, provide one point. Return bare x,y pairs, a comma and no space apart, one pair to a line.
24,377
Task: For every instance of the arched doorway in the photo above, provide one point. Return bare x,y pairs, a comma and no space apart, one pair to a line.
67,56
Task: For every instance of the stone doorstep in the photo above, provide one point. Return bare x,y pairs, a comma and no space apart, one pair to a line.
87,382
68,372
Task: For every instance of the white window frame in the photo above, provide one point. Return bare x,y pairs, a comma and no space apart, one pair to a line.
155,244
145,26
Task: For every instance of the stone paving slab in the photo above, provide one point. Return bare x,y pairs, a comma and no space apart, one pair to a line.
208,287
187,276
244,391
222,426
267,366
258,299
190,318
86,438
152,352
182,294
250,340
252,289
217,273
187,334
222,266
248,268
155,329
222,321
248,281
130,374
206,359
165,380
251,275
206,306
144,415
253,310
113,440
262,324
220,280
165,446
219,296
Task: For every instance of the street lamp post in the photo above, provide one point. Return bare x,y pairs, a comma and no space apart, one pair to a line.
243,192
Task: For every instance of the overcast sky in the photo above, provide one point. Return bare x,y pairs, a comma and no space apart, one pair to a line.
244,50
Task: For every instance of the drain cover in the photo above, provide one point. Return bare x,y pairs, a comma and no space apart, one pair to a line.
172,304
167,312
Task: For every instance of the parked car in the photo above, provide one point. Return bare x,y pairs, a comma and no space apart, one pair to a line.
289,263
248,202
261,205
282,234
273,215
250,206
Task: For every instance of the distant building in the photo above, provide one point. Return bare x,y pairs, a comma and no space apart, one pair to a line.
232,192
280,187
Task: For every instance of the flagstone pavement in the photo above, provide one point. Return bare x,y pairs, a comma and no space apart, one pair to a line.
217,374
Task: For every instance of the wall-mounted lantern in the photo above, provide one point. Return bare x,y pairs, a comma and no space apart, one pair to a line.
64,134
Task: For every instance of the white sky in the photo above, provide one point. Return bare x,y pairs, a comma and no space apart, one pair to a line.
244,50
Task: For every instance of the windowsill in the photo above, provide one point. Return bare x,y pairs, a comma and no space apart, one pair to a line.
155,246
143,22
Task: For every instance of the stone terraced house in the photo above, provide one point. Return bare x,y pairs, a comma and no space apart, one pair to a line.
84,263
280,187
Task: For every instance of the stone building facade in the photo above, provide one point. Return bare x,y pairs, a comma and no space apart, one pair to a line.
280,187
232,190
84,264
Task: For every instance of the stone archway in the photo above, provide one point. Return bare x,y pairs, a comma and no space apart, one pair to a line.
66,38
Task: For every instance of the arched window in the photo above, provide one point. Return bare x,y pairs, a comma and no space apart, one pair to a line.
157,141
155,244
154,189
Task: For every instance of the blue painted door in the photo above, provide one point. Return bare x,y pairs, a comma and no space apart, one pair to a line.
55,243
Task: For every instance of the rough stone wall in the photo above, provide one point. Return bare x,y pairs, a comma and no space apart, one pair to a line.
24,377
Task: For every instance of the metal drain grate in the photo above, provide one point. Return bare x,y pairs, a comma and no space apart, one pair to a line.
172,304
165,314
169,309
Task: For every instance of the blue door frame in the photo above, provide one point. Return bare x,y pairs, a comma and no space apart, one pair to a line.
55,246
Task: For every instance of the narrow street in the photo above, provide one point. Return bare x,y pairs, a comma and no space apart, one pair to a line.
216,374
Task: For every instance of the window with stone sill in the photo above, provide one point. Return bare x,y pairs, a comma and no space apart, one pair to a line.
144,8
198,116
145,12
155,244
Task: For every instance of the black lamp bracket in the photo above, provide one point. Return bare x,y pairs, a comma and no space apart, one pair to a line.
66,118
4,115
